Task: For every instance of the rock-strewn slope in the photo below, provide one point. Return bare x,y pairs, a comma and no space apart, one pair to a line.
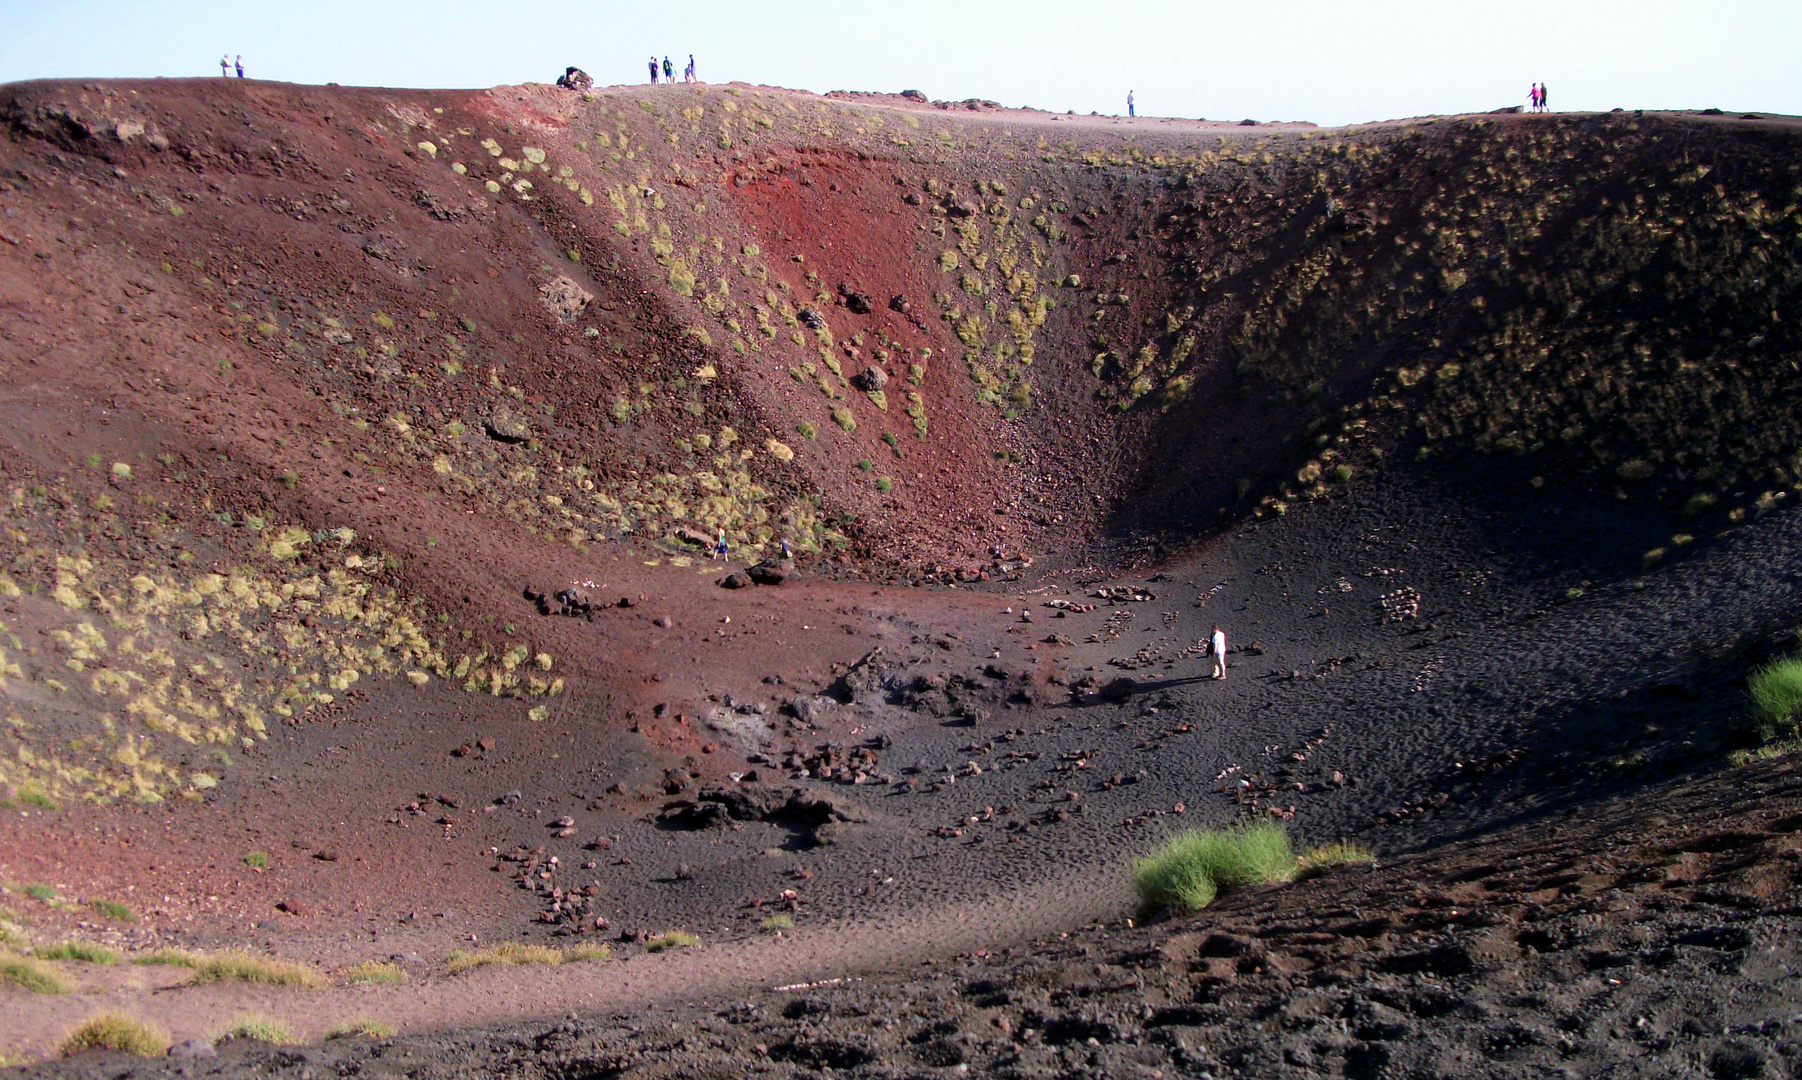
1654,936
316,398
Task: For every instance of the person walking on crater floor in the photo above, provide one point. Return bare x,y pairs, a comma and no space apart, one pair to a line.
719,545
1218,651
653,71
240,65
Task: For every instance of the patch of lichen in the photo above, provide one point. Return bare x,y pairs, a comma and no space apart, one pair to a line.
1622,288
993,302
707,478
143,677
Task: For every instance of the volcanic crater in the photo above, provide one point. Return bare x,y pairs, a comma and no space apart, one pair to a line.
368,457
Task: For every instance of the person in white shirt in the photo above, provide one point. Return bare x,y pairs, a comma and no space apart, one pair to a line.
1219,651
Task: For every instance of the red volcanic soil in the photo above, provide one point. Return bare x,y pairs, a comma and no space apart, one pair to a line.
363,451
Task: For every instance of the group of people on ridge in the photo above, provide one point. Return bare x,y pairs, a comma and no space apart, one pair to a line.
225,66
1537,97
668,70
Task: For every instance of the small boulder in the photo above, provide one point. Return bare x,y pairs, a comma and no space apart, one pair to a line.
575,79
772,571
870,378
504,425
1119,689
564,298
810,318
900,304
689,536
856,301
813,710
193,1048
734,580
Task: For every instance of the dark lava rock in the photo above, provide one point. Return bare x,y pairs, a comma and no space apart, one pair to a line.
1119,689
858,302
771,572
503,425
815,814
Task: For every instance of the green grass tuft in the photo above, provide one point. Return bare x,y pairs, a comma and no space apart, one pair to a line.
376,973
256,859
1317,861
1776,691
13,936
1191,869
260,1028
776,923
234,965
506,953
114,910
586,952
671,939
28,974
111,1031
1767,752
86,952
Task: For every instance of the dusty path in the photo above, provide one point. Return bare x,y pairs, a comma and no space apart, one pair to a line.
1653,936
841,950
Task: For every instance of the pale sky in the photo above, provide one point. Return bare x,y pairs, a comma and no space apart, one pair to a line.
1329,61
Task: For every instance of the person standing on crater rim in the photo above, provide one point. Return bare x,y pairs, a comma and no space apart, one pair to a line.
688,73
225,67
1129,104
1218,642
1542,104
653,71
669,71
240,65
